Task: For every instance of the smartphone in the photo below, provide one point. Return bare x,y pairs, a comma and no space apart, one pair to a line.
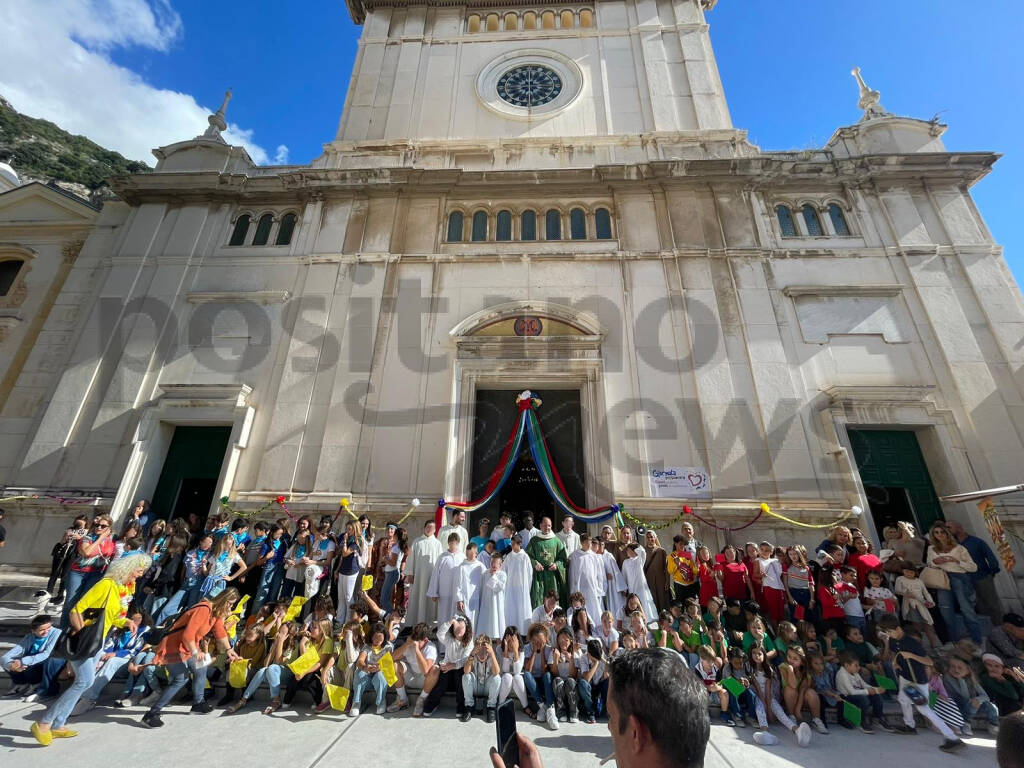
508,741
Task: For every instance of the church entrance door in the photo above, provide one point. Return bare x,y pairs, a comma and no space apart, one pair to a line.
560,419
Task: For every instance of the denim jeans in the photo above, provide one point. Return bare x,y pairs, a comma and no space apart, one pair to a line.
270,584
565,696
78,583
105,674
864,702
592,697
377,682
135,685
42,675
531,688
471,688
179,672
961,593
388,590
273,675
181,600
747,704
59,712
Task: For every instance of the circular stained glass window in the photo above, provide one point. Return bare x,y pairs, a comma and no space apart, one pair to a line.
530,85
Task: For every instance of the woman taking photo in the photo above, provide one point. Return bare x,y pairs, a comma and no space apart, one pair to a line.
179,651
956,561
110,596
62,555
95,550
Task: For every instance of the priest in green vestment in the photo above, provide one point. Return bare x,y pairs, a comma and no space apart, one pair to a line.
549,561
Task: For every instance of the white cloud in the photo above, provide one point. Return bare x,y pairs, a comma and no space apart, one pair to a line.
281,155
55,64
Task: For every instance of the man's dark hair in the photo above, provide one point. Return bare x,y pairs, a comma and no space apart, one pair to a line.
40,620
1010,741
656,687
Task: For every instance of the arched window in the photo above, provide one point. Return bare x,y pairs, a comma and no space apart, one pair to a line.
511,22
530,20
9,269
602,224
473,23
528,226
553,225
786,224
547,20
492,22
811,220
263,229
838,220
503,227
577,224
284,232
479,226
455,227
586,18
240,231
567,20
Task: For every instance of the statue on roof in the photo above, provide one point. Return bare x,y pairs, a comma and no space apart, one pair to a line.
870,101
217,121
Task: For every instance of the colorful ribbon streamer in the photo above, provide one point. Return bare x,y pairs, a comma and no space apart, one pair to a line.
528,427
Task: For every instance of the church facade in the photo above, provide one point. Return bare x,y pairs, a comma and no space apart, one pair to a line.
553,198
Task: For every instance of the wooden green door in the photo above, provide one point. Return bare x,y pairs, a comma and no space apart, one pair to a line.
192,465
891,465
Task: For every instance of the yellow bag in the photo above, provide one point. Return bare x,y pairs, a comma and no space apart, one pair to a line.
305,662
367,583
387,668
238,673
240,607
294,609
338,695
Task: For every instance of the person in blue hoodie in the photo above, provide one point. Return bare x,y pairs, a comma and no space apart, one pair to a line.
33,673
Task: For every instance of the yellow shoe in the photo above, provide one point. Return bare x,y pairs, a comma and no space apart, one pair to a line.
63,733
43,737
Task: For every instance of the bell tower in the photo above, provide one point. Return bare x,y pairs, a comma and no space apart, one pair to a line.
490,83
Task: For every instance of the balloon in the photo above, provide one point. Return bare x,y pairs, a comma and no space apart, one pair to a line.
415,502
857,511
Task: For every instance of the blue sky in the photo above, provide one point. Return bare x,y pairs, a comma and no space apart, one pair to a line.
785,64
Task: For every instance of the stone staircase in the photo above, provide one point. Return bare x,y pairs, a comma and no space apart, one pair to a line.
18,601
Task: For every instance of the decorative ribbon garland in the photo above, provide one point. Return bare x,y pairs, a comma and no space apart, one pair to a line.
528,427
63,500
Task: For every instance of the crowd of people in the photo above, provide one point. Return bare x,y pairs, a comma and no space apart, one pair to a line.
352,618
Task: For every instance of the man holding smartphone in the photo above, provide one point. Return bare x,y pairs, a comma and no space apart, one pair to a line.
657,715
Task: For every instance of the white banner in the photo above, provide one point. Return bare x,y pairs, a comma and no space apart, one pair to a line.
680,482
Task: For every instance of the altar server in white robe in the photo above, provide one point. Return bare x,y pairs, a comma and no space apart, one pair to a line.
419,568
614,584
590,576
458,517
490,618
517,566
471,573
569,537
444,582
636,582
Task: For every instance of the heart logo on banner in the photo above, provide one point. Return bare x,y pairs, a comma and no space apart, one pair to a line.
696,481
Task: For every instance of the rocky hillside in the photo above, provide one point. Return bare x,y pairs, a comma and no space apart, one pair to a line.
39,150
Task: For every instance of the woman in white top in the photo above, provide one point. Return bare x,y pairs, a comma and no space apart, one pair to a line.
455,638
511,662
563,676
481,676
393,567
944,552
608,634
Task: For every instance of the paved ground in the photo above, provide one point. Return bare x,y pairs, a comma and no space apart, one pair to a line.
299,740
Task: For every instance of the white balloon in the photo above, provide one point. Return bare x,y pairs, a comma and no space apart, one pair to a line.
857,511
415,502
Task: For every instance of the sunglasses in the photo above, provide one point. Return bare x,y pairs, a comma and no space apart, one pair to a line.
100,525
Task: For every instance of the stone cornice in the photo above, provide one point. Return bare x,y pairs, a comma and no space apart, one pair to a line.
764,171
